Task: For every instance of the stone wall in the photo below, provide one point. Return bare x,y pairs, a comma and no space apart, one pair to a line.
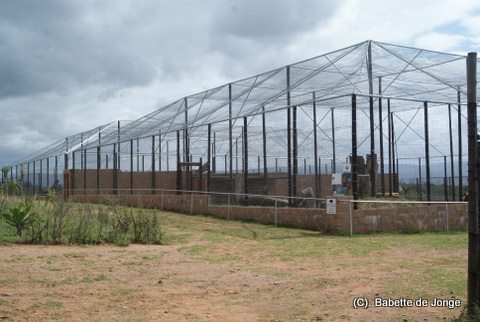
398,219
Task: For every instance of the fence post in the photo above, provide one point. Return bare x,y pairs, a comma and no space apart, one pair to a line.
228,207
351,219
191,202
275,219
446,217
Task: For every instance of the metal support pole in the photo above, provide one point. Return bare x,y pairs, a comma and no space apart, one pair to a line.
168,156
373,158
334,158
40,176
131,167
85,171
28,177
420,176
395,170
99,164
138,156
460,157
473,289
289,139
48,173
186,150
118,143
452,166
315,148
115,165
55,173
245,158
214,153
354,151
230,139
445,178
295,154
427,152
153,166
209,157
179,171
380,122
72,179
160,151
264,141
390,177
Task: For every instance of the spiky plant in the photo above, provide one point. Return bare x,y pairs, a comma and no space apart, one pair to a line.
20,216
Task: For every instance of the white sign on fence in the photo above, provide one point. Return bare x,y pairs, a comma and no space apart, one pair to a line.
331,206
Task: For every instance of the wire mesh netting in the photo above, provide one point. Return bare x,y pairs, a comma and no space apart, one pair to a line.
286,131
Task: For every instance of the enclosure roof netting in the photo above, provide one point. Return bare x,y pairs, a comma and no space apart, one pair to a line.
366,68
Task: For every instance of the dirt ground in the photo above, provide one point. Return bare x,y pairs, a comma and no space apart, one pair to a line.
254,273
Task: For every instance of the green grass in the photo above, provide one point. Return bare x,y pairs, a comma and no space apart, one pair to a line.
54,304
8,281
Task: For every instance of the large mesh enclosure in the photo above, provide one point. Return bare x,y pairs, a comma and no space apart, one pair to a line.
370,120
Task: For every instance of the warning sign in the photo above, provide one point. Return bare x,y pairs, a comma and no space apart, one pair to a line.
331,206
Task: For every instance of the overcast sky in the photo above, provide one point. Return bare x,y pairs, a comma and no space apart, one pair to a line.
68,66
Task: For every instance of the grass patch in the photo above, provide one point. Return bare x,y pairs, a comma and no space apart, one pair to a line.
54,304
8,281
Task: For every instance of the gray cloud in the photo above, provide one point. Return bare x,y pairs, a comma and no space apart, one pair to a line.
71,65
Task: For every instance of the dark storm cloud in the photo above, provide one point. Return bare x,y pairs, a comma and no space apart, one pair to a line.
63,61
55,46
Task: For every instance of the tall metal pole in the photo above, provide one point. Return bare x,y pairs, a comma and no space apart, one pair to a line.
55,173
48,173
289,140
473,289
131,167
334,158
420,176
153,166
85,171
460,157
452,166
168,156
72,179
118,146
354,151
138,156
186,151
264,136
395,170
160,151
115,167
245,158
230,138
315,147
445,182
179,171
65,156
380,122
390,177
209,155
427,151
99,159
373,159
295,152
73,174
40,176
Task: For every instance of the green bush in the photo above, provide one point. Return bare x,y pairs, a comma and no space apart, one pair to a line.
64,222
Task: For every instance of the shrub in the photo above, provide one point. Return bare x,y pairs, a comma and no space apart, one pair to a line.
20,216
